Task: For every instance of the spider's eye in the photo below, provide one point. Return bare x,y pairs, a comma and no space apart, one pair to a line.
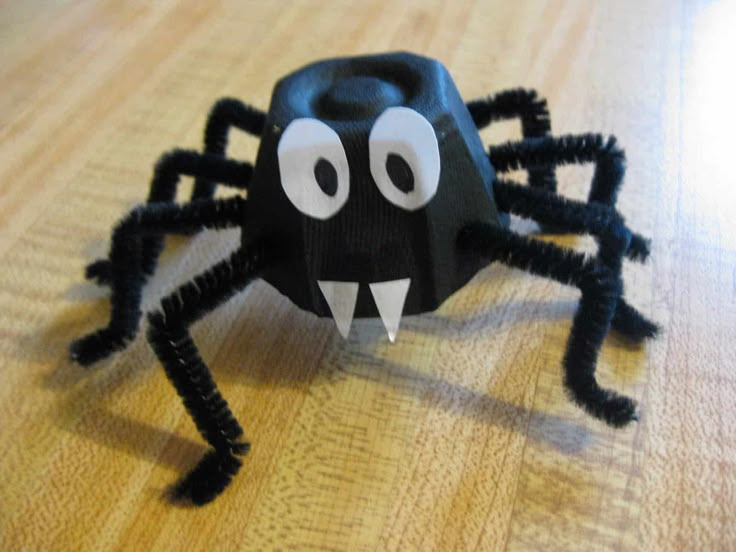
405,157
314,168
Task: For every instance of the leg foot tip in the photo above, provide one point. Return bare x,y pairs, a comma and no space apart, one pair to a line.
619,411
639,248
608,406
210,477
632,324
96,346
99,271
639,332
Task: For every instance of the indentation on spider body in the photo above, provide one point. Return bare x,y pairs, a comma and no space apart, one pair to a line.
360,96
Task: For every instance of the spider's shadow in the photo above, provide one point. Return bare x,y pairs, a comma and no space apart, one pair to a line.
346,359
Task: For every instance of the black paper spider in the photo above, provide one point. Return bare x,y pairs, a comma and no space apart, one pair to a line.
371,195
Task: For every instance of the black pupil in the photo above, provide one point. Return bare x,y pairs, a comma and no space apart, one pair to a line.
400,172
326,176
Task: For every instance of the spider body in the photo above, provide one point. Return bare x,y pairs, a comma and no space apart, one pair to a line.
370,238
372,195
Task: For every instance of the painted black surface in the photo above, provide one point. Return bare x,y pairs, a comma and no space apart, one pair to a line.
369,239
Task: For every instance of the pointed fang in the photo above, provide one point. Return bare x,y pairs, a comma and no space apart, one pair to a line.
390,298
341,298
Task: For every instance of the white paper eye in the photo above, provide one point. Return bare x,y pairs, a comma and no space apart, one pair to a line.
404,157
314,168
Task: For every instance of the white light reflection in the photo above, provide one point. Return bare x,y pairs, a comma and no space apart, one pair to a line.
709,118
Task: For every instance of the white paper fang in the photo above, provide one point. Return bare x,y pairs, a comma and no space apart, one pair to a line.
341,298
390,298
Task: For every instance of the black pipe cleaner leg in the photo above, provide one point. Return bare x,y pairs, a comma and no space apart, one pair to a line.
167,173
609,159
169,336
601,289
569,215
127,268
535,123
599,220
227,113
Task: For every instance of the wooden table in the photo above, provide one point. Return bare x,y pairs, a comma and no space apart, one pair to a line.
460,436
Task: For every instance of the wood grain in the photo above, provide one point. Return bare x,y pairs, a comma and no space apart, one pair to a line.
459,437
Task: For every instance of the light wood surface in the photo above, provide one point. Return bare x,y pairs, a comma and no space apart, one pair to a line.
459,437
